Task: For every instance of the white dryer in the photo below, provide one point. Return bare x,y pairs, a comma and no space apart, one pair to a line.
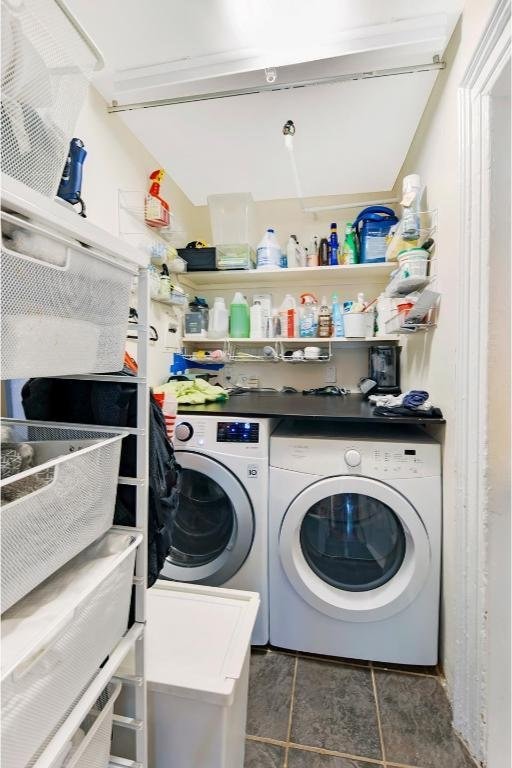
219,535
355,542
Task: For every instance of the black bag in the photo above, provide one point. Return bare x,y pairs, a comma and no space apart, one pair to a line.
115,405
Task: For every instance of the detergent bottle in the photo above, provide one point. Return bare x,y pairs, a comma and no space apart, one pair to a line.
338,327
288,316
308,324
239,320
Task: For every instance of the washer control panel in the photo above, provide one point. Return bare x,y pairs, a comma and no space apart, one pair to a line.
371,458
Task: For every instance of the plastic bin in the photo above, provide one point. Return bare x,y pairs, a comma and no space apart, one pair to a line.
47,65
198,649
94,749
56,508
55,639
235,257
232,218
64,317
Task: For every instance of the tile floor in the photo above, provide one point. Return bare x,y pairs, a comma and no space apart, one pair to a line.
315,712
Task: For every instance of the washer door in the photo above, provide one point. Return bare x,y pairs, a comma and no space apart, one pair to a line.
354,548
213,529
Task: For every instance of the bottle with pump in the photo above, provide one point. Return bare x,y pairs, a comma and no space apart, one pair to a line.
349,253
239,320
324,320
256,317
308,324
333,245
338,328
268,252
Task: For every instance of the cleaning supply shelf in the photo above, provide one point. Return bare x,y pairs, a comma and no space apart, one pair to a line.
302,340
295,276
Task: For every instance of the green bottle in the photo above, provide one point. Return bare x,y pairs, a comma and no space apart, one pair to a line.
349,253
239,318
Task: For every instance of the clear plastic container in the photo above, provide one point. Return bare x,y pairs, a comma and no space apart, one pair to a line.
232,218
235,256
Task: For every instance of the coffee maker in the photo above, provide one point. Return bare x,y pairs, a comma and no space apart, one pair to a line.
384,369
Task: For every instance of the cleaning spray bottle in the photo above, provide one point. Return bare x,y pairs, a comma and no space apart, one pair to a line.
308,324
349,252
338,327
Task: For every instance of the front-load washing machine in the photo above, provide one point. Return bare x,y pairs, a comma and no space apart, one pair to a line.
355,542
219,535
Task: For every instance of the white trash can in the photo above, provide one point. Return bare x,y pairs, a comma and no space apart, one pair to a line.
197,662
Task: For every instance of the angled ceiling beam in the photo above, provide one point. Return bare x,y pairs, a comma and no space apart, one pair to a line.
436,64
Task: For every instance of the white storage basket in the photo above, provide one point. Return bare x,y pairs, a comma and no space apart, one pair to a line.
46,66
54,640
68,501
94,750
65,317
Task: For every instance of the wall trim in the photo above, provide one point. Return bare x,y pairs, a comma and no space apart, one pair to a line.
469,685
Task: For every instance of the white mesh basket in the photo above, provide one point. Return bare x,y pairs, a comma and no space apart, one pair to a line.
59,506
94,736
46,66
54,640
64,306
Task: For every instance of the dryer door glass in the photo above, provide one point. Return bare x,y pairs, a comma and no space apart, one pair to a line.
205,521
353,541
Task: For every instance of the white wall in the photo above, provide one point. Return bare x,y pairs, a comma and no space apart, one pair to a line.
498,430
117,160
429,360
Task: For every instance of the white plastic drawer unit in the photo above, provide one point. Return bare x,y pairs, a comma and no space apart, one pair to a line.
56,638
57,506
64,305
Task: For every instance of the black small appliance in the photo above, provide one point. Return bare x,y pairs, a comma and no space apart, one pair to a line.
384,369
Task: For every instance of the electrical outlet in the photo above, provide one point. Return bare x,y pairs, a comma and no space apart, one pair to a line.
330,374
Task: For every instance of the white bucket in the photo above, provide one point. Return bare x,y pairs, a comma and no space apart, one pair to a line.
413,263
358,324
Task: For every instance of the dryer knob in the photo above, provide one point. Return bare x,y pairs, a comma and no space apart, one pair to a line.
183,431
352,458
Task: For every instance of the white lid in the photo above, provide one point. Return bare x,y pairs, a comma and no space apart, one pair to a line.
197,639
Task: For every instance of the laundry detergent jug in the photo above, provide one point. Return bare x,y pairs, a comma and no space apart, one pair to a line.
372,227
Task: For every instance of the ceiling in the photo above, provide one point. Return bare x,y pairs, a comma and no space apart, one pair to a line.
351,136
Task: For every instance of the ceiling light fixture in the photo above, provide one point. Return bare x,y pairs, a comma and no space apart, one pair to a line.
270,75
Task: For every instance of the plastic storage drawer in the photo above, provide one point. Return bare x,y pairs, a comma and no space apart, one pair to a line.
54,640
64,306
93,750
53,510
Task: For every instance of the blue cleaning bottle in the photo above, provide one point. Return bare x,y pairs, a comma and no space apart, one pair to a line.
333,246
338,328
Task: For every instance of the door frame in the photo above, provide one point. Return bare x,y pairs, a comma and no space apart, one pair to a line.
472,440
